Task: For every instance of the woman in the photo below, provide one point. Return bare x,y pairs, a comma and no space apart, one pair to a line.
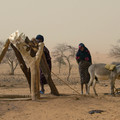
83,58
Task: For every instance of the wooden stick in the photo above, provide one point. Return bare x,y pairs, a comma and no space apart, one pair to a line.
46,71
35,73
22,64
4,50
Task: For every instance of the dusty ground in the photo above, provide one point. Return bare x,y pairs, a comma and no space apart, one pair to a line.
68,106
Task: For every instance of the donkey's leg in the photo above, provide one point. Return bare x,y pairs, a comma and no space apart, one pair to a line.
89,84
94,83
112,83
81,88
92,77
86,86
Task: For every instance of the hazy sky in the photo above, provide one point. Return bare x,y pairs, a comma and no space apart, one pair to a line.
96,23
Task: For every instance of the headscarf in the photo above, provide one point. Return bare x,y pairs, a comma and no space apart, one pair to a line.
39,37
83,55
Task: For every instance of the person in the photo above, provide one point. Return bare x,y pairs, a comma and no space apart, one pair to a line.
40,38
84,60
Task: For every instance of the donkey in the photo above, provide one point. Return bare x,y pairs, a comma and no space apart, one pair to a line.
101,72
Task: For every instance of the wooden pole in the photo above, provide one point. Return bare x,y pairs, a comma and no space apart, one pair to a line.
22,64
4,50
35,73
46,71
33,81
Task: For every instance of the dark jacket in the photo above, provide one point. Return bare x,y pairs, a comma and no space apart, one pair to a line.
83,55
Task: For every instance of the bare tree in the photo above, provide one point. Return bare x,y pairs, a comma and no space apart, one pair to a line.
10,59
60,62
66,53
115,51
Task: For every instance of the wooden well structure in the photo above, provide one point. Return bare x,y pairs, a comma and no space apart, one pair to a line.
32,71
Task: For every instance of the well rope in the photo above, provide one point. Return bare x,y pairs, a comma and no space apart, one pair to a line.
66,83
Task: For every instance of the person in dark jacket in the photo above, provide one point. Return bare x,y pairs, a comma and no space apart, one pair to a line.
43,81
83,58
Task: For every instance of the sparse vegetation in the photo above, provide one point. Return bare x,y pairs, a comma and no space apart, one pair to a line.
115,51
63,54
10,59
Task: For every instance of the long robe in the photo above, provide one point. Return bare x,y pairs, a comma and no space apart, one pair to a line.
84,61
48,58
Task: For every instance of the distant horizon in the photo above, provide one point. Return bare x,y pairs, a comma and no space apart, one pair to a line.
53,47
94,23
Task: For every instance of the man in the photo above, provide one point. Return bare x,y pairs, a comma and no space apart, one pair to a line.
43,81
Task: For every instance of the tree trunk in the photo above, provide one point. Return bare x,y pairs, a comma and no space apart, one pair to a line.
69,71
11,68
59,67
35,73
35,78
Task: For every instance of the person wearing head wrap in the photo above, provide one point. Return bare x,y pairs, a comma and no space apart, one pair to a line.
40,38
83,54
83,58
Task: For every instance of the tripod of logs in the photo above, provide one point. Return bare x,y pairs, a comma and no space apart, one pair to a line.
33,55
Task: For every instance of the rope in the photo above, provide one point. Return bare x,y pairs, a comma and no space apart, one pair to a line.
66,84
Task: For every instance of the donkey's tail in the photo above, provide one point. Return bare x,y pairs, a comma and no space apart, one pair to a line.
96,79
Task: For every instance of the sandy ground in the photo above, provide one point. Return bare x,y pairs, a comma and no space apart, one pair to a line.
68,106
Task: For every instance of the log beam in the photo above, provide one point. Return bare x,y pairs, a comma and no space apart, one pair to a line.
4,50
22,64
46,71
35,73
